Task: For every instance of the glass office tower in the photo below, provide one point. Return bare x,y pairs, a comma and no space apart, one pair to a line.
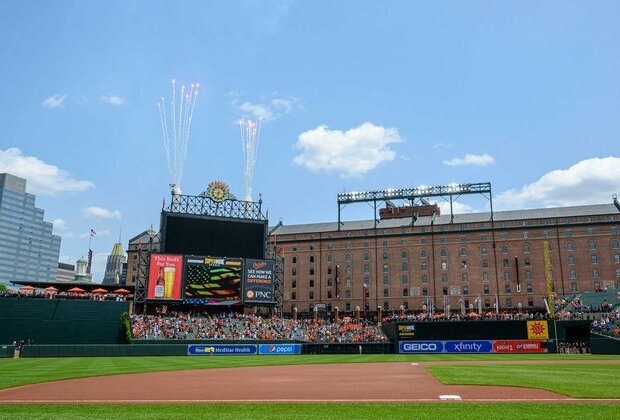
28,249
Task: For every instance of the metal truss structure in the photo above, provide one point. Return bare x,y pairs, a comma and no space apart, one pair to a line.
450,193
278,275
142,275
206,206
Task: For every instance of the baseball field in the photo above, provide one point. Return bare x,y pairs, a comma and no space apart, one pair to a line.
313,386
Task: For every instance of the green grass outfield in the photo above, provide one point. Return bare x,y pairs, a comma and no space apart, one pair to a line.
384,411
578,380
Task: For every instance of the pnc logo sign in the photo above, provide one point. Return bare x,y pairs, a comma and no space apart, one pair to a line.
259,294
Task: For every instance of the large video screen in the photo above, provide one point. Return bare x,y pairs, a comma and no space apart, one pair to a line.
213,281
199,235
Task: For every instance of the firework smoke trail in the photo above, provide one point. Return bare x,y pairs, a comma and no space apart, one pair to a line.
250,133
176,132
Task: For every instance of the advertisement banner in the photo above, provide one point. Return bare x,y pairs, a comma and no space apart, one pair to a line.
165,277
258,282
420,346
537,330
213,280
406,331
469,346
519,346
275,349
221,349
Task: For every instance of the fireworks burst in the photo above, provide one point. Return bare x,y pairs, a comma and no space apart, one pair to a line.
175,127
250,133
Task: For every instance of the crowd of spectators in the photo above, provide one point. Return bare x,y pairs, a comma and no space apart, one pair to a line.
38,294
609,324
577,306
457,316
235,326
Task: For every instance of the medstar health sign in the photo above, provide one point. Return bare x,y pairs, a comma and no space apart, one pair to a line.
258,286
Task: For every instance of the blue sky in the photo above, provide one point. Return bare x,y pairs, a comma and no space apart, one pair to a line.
354,95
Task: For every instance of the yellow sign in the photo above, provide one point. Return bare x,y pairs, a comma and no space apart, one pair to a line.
537,330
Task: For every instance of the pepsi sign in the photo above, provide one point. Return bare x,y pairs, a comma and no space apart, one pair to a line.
276,349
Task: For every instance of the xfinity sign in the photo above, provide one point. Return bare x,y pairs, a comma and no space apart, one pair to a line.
420,347
481,346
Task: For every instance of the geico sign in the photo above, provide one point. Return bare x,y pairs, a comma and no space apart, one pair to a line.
420,347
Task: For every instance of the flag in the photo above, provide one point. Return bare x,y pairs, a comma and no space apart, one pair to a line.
279,251
163,204
92,233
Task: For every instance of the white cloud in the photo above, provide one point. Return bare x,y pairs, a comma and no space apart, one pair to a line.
59,224
256,110
55,101
268,110
101,212
587,182
443,146
457,208
42,178
471,159
349,153
113,99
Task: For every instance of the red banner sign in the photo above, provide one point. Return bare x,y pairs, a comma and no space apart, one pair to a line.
519,346
165,277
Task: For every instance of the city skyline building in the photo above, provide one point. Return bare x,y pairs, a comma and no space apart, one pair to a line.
29,251
114,265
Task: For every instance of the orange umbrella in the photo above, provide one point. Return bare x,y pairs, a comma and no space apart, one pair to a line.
76,290
100,290
122,291
26,288
51,289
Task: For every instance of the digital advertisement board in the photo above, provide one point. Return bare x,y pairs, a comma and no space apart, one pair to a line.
258,284
519,346
222,349
473,346
165,277
420,347
278,349
469,346
213,280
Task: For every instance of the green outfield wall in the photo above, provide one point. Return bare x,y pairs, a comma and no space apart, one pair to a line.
58,321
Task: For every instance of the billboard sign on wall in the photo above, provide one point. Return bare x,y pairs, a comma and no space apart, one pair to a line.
519,346
537,330
165,277
258,282
221,349
213,280
469,346
275,349
420,347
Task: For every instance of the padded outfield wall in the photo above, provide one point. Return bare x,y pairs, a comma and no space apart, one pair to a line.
59,321
546,331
